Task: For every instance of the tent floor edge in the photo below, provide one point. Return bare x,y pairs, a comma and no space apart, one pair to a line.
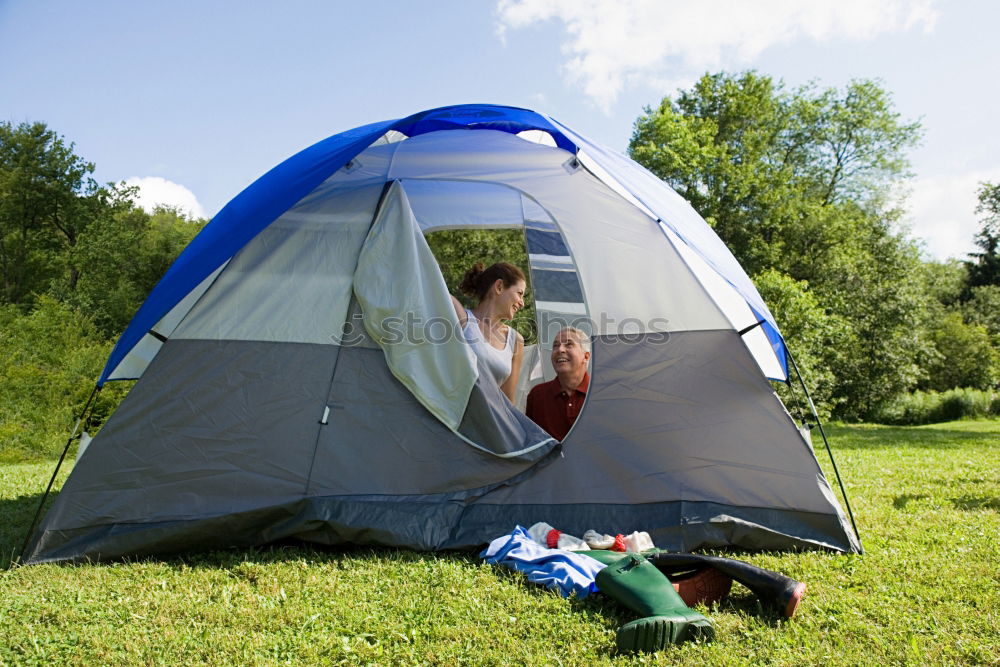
449,524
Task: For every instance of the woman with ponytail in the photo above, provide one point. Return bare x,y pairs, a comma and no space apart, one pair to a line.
499,291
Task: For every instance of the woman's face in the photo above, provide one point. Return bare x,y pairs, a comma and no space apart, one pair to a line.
510,299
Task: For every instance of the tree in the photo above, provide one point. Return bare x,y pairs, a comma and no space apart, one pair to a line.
878,291
945,282
818,338
720,146
777,174
46,199
123,254
985,267
983,308
802,182
966,357
62,234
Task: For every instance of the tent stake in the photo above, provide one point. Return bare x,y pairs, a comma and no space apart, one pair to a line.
82,419
822,432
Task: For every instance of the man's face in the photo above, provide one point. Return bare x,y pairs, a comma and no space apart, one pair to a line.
568,356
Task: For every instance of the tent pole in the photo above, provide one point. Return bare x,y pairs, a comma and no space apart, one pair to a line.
82,419
798,401
822,432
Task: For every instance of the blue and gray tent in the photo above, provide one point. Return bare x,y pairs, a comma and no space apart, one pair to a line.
296,377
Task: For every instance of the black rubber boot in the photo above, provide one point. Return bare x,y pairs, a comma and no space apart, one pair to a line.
772,588
665,619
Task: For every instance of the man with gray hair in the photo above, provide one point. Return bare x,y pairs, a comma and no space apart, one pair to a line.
554,405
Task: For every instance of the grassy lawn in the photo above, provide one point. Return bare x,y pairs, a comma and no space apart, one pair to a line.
927,501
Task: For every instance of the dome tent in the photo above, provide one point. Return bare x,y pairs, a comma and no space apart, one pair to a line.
292,382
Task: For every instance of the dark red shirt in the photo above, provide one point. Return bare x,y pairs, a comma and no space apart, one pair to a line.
553,409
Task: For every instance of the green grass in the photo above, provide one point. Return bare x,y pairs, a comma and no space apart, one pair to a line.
927,591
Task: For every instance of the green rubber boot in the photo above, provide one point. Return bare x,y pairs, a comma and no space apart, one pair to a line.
604,556
665,619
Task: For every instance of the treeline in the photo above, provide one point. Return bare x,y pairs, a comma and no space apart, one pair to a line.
806,187
65,236
76,260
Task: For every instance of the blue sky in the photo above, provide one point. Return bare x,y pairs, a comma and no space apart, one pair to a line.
193,99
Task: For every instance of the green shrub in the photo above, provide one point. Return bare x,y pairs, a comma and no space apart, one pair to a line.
929,407
49,360
815,337
966,356
964,403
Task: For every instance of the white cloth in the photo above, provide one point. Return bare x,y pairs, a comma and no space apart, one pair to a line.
638,542
597,540
540,534
498,362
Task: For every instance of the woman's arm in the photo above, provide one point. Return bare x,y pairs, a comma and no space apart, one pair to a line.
509,386
460,311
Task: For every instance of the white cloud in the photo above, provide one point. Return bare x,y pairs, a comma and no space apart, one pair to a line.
155,190
539,99
612,44
943,212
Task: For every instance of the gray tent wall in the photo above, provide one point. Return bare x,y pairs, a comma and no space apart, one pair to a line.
269,413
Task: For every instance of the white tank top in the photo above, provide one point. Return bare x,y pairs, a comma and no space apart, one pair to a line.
498,362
